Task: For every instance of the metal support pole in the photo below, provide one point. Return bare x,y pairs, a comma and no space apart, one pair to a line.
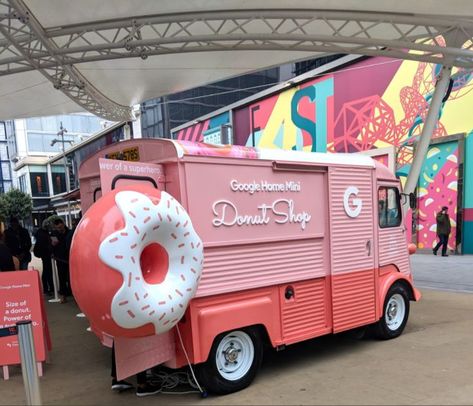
55,283
28,363
427,131
69,214
61,132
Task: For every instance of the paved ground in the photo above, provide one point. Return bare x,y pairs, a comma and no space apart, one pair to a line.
453,273
430,363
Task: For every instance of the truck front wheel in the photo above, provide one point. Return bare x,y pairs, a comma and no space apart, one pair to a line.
234,360
395,313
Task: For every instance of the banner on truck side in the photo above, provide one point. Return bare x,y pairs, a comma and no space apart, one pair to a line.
115,173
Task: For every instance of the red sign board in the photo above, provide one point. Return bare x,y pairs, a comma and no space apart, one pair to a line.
20,300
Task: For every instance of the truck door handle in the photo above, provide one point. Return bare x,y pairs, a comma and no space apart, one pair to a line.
368,247
289,294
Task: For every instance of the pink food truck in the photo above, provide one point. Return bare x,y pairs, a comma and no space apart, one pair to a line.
220,251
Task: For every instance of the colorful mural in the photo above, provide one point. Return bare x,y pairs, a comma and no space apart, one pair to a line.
375,103
438,187
300,118
467,226
204,130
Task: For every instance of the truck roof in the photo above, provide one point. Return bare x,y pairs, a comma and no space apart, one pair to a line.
157,149
188,148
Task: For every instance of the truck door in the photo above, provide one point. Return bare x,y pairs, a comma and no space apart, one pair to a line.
352,247
391,229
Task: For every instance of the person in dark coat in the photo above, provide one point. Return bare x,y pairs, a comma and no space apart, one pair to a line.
61,240
6,258
18,240
443,231
43,249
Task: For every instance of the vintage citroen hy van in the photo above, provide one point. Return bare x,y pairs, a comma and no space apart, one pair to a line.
224,250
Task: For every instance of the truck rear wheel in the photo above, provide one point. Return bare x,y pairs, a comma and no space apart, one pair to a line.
233,362
395,313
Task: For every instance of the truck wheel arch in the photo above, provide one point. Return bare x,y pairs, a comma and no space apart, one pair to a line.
388,276
206,346
209,320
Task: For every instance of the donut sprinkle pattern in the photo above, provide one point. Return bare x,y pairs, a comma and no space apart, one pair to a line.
137,302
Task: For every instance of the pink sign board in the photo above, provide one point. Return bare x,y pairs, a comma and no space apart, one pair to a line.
133,355
20,300
249,203
115,173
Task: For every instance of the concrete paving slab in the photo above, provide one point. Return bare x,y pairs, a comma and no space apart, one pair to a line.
429,364
453,273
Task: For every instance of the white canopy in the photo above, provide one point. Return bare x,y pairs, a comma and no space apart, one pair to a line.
62,56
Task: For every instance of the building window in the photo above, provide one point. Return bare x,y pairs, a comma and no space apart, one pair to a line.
42,142
389,207
59,179
3,151
5,171
9,127
3,131
39,184
85,124
5,186
22,182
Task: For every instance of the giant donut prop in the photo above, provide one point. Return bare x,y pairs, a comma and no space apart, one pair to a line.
136,261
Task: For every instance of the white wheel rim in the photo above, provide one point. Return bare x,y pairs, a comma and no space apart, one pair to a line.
235,355
395,312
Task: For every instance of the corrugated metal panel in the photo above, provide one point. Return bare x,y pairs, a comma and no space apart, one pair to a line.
353,300
233,268
350,235
306,314
353,292
393,248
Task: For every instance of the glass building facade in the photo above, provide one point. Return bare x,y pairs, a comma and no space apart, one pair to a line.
6,176
159,116
41,132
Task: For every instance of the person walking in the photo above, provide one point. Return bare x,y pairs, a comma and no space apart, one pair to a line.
43,249
61,242
18,240
443,231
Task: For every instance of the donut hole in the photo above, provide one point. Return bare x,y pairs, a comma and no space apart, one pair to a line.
154,261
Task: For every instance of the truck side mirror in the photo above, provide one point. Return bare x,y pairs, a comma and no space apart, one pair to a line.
412,201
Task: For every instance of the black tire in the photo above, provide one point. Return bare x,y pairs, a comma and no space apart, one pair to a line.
391,324
358,333
219,380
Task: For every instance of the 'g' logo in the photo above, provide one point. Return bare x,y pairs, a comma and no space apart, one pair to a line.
355,210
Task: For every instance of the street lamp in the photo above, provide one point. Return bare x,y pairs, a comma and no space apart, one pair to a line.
61,132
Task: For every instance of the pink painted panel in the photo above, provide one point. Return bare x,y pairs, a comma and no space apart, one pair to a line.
354,301
134,355
215,314
384,159
232,268
468,214
304,315
349,235
393,248
246,202
352,247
